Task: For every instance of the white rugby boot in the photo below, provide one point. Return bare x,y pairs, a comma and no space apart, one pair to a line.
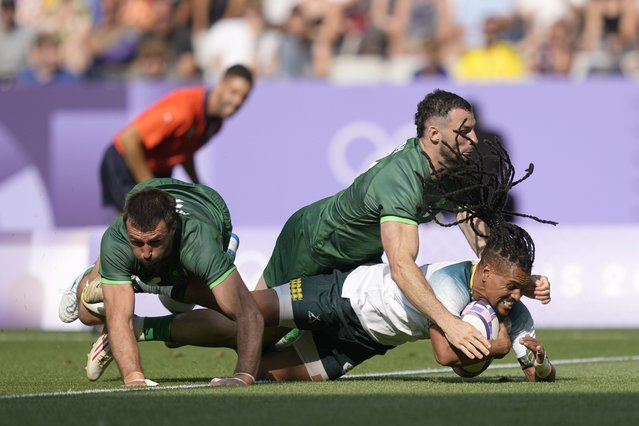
99,358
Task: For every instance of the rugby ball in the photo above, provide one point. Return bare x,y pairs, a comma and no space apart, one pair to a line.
483,317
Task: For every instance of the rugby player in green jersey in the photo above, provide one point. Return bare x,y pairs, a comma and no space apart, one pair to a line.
171,233
380,212
350,317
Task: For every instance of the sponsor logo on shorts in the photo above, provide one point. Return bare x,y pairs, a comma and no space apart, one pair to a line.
312,317
296,289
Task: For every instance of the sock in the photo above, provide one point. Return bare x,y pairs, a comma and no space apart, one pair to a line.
138,328
165,290
158,328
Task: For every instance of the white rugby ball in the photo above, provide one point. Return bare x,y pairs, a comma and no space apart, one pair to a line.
483,317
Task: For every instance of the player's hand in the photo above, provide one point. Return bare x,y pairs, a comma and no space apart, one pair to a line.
535,346
539,289
467,339
227,381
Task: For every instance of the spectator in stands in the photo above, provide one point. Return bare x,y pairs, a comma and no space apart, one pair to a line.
555,55
294,53
172,24
223,36
113,43
151,59
15,41
609,31
432,61
45,64
496,60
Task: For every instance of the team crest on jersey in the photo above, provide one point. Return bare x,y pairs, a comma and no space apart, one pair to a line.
296,289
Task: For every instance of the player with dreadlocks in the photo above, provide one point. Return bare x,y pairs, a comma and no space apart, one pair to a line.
379,213
349,317
352,316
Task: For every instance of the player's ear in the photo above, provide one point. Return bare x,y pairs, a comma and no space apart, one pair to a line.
433,133
486,270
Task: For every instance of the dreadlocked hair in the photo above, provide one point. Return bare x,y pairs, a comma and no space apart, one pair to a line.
475,185
510,243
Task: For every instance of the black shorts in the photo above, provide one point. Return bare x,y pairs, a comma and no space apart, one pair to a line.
116,178
340,341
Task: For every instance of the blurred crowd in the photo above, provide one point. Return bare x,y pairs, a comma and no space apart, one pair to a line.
45,42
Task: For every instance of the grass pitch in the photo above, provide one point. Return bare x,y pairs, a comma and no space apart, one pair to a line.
42,382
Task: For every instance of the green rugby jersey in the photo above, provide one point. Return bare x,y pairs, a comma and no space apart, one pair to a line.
199,249
345,230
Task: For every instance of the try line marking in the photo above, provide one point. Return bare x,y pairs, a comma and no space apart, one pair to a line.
348,377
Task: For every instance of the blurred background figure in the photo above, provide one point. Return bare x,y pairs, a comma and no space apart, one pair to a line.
224,33
45,64
497,59
113,42
433,65
609,33
151,59
15,42
554,56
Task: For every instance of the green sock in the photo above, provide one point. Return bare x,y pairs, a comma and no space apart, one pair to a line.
158,328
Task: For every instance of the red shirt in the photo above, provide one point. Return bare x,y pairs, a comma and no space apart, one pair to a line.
174,128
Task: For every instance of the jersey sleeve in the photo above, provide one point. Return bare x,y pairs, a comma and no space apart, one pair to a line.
520,323
205,258
115,257
398,194
449,293
167,118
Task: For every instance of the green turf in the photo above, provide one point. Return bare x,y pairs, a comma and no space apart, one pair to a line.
590,393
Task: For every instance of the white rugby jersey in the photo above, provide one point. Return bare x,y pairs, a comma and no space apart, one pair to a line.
390,319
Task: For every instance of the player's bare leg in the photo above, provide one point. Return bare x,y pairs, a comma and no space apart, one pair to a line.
261,284
87,316
283,366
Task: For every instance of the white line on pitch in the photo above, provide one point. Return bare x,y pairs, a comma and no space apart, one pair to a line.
352,376
492,367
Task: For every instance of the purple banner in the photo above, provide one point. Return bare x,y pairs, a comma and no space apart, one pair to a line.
292,144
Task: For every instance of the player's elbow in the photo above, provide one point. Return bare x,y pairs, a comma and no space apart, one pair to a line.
446,359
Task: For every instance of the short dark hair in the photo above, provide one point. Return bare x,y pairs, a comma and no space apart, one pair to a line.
145,208
241,71
438,103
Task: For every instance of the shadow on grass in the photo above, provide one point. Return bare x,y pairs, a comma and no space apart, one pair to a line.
268,405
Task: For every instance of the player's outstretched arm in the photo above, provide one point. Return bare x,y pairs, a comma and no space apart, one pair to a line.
447,355
542,370
119,304
236,301
401,243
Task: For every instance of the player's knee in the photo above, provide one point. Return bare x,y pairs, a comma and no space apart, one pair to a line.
88,317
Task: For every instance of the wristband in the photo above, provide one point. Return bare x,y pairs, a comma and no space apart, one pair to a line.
133,377
250,376
543,369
